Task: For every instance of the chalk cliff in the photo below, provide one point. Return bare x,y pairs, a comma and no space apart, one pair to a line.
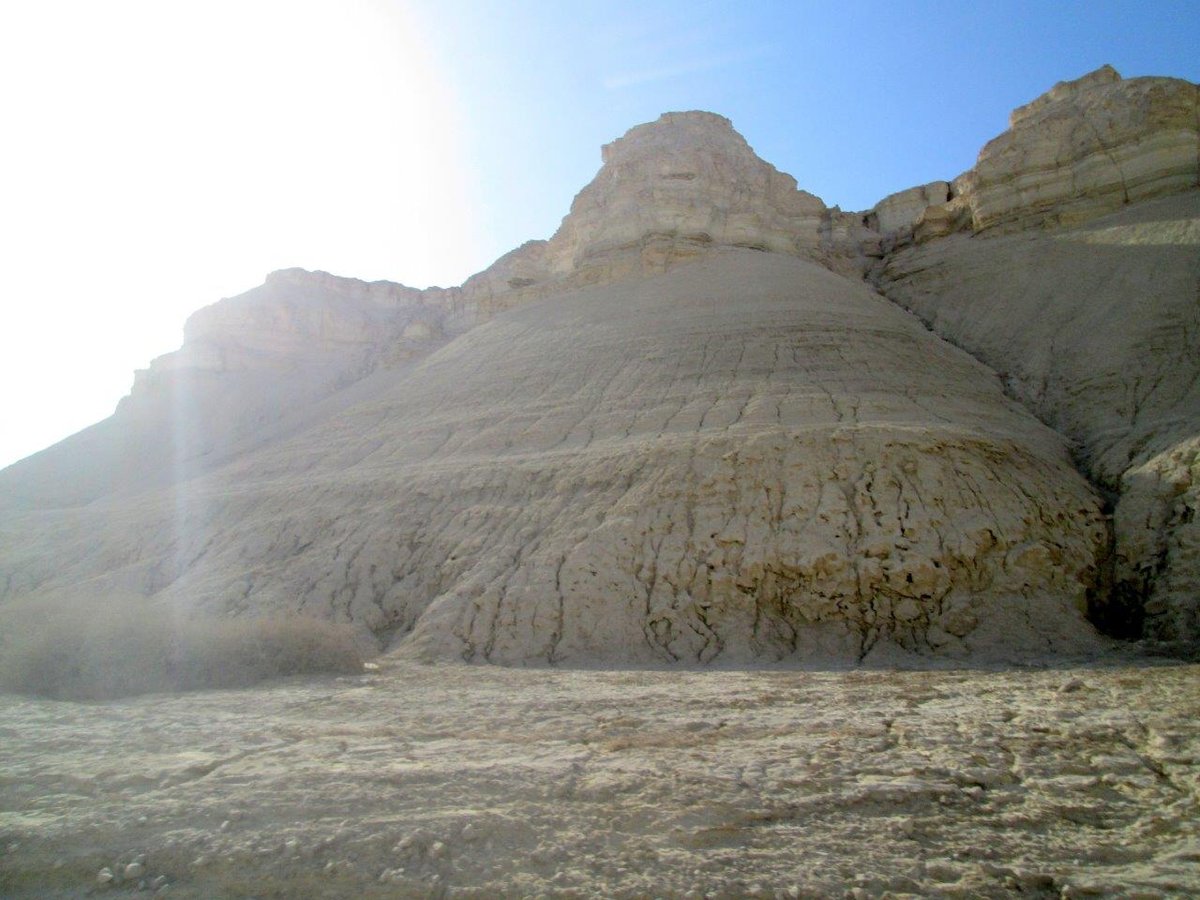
1072,267
745,458
683,428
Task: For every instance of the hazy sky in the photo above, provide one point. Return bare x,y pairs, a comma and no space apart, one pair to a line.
156,156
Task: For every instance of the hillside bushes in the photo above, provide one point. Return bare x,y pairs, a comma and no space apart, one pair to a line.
119,648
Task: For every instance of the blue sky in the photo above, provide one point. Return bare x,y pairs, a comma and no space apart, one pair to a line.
856,100
161,155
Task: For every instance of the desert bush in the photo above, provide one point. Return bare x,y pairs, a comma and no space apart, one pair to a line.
119,648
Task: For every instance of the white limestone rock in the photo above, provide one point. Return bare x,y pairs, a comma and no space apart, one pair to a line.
1088,147
688,177
902,210
1083,149
250,367
642,441
669,190
1094,329
1093,325
745,458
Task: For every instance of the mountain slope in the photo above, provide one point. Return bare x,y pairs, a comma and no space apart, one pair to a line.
747,457
684,430
1072,265
1096,329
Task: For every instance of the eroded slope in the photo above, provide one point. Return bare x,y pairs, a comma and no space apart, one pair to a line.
1096,328
747,457
1068,259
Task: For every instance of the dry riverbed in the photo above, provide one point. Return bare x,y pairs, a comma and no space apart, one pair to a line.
483,782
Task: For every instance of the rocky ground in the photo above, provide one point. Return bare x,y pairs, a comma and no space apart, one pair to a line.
455,781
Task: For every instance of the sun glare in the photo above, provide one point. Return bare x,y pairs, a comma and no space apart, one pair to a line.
161,156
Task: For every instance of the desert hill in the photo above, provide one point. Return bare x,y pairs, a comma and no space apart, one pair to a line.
696,424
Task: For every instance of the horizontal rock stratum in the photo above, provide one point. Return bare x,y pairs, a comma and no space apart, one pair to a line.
685,429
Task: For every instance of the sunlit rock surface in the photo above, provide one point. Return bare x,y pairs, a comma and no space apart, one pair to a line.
689,178
1088,147
1096,328
683,430
747,457
254,366
418,781
251,367
1083,149
900,211
667,191
1080,287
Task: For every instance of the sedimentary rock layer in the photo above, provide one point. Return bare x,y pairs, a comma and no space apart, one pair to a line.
253,366
745,458
1097,329
1093,321
1083,149
672,433
1088,147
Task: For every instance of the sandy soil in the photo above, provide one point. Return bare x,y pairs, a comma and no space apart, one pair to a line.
483,782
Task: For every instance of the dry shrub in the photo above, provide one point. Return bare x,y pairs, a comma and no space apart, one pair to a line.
120,648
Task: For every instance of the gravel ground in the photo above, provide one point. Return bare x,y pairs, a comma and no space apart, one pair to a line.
456,781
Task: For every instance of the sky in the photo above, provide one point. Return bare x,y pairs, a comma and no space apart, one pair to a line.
158,155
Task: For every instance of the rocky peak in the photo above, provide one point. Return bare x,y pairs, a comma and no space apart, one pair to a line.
1085,148
295,310
689,179
1064,90
667,191
1088,147
673,132
671,189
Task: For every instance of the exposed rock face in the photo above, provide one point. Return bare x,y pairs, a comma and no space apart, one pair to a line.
644,441
1093,325
668,190
1088,147
250,368
1095,329
1083,149
902,210
689,178
745,458
251,365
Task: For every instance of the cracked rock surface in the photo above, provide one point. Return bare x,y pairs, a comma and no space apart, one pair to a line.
671,433
1096,328
457,781
748,457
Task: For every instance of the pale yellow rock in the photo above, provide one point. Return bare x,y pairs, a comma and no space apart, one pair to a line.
669,189
745,458
250,367
902,210
1093,326
691,178
941,219
253,366
672,432
1083,149
1157,523
1065,90
1088,147
1095,329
